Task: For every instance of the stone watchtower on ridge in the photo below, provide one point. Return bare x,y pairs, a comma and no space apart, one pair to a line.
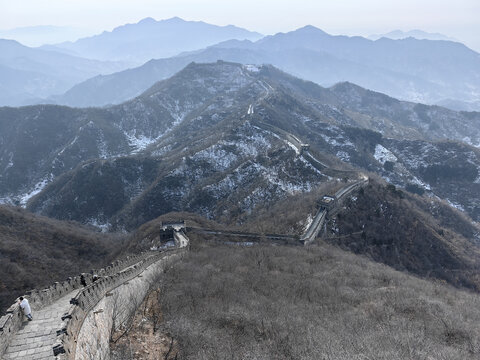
168,230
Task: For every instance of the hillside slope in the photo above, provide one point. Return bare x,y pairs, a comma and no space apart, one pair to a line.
410,233
36,251
213,139
293,303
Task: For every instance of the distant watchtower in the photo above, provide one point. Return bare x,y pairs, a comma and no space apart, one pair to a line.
327,202
304,147
168,228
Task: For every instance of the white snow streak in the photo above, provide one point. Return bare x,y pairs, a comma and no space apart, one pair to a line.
382,155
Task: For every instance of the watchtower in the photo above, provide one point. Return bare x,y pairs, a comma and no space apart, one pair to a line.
327,202
168,228
304,147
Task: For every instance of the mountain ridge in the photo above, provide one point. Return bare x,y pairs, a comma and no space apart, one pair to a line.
394,67
416,33
175,35
344,124
39,73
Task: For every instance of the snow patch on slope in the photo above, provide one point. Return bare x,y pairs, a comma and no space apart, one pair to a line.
139,142
308,222
456,206
104,227
382,155
216,155
10,161
339,141
36,189
420,183
471,141
102,146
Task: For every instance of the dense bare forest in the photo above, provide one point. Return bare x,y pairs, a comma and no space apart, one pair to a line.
36,251
264,302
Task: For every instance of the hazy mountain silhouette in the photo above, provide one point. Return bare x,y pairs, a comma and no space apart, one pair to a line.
43,34
151,39
410,69
28,73
417,34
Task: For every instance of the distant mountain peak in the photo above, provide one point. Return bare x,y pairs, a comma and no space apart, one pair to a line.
347,86
200,66
234,43
310,29
147,20
302,37
175,20
149,39
415,33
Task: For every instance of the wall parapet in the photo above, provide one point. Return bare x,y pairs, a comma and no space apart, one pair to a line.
312,232
87,298
11,322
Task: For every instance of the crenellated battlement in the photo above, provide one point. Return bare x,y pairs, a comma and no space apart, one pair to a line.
86,300
90,293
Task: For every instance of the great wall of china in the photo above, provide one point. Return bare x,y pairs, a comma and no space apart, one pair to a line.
74,321
75,318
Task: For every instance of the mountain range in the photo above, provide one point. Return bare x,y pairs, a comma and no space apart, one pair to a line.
200,141
424,71
218,144
432,72
42,34
417,34
31,75
150,39
279,153
27,75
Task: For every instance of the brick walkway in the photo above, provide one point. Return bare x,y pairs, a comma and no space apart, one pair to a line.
36,338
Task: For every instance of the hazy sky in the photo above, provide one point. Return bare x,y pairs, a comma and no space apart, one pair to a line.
456,18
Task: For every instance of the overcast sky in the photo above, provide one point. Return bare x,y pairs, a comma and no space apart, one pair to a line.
456,18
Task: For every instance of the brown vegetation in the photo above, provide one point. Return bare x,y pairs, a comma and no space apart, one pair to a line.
288,216
264,302
144,340
36,251
409,232
148,234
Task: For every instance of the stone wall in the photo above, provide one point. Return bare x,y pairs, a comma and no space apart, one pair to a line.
110,277
123,295
113,310
323,213
11,322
